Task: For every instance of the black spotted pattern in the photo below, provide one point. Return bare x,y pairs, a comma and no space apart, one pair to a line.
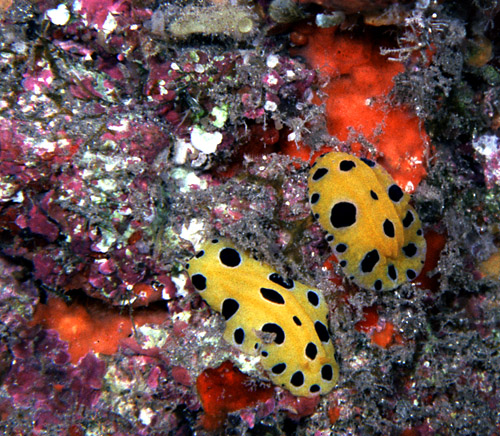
313,298
369,261
327,372
319,173
229,307
330,238
343,214
408,219
311,351
321,331
297,321
389,229
314,198
199,281
272,295
347,165
395,193
410,274
279,368
368,162
230,257
264,353
377,285
239,335
297,379
276,329
374,195
392,273
279,280
314,388
341,248
200,253
410,250
343,263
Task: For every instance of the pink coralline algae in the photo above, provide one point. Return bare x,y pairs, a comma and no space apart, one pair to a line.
52,206
41,379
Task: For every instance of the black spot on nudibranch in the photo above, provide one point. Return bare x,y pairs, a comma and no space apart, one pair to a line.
274,328
343,214
314,198
229,308
264,353
374,195
327,372
410,274
272,296
279,280
311,351
297,321
199,281
200,253
347,165
408,219
410,250
230,257
419,232
391,272
319,173
330,238
395,193
321,331
314,388
389,228
369,261
377,285
313,298
239,335
215,241
368,162
340,248
279,368
343,263
297,379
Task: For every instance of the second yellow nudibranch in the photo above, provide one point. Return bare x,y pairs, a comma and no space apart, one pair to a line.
373,230
283,321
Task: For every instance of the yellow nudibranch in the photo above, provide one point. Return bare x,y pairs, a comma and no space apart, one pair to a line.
283,321
374,232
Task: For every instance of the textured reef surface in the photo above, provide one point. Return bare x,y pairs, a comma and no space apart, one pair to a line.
134,132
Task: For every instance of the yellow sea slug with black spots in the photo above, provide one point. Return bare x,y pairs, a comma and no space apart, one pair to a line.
373,230
282,320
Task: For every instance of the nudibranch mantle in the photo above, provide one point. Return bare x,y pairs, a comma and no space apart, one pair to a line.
373,230
282,320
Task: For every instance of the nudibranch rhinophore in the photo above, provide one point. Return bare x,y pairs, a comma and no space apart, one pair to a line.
374,232
282,320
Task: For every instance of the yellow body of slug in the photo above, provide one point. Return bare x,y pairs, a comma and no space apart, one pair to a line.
283,321
374,232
